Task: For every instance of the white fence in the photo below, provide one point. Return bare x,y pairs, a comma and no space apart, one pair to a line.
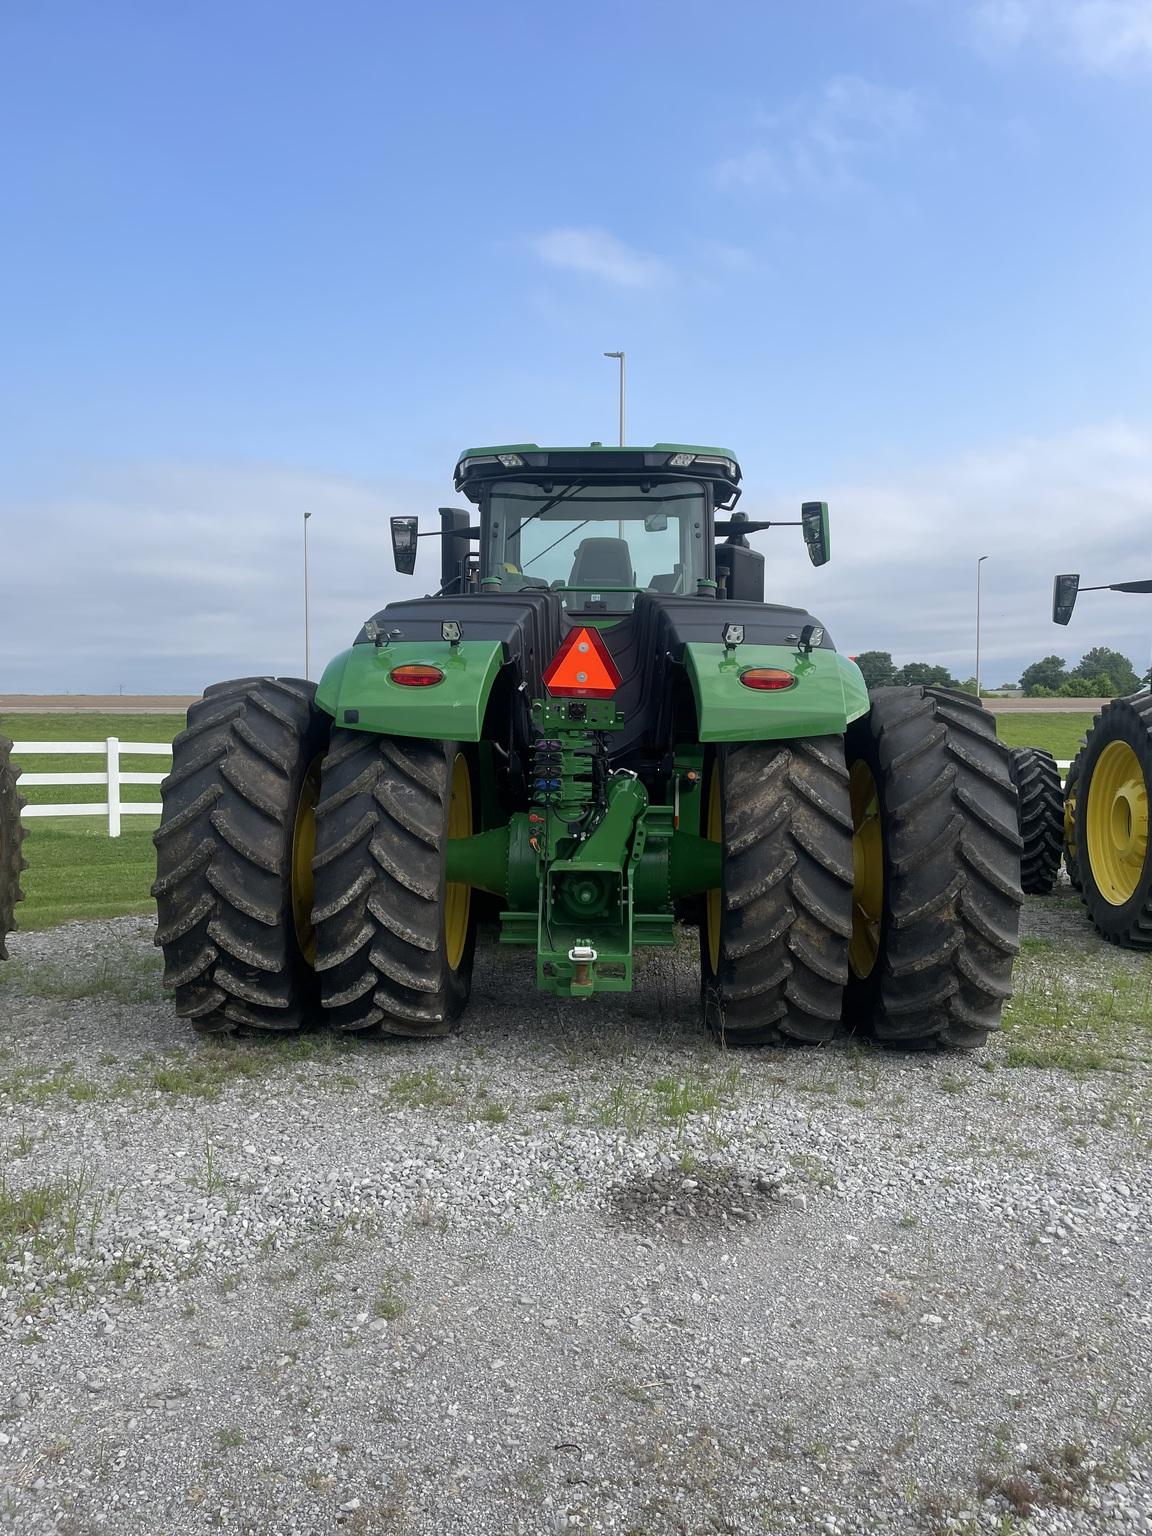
111,749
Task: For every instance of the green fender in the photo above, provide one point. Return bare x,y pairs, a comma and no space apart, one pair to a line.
829,693
357,691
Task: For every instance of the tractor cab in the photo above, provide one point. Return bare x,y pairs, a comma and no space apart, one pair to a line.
600,526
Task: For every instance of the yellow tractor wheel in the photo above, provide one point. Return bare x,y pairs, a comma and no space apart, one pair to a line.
1114,792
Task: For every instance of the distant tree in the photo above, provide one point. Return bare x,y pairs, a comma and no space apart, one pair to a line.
968,685
1115,668
1049,673
1040,692
878,668
1084,688
921,674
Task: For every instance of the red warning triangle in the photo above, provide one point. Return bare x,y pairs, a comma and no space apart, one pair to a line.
582,668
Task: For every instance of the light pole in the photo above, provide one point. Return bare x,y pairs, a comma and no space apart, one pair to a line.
979,564
619,356
307,645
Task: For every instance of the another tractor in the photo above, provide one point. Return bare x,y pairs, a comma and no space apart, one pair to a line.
596,730
1106,798
11,838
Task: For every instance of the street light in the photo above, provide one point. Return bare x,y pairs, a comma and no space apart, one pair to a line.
979,563
619,356
307,646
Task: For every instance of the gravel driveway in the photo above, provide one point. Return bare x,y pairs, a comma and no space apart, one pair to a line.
574,1269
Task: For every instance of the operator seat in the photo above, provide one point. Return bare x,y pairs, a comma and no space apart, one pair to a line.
608,563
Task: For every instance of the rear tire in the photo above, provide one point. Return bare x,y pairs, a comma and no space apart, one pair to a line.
1040,817
395,941
233,857
933,949
1112,822
774,939
11,837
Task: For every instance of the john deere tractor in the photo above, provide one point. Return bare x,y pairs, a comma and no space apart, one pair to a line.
1106,798
11,837
595,731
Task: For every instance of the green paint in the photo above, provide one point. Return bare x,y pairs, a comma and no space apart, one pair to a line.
696,864
453,710
480,861
828,695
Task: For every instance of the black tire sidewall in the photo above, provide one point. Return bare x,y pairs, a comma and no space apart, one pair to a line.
1117,723
862,993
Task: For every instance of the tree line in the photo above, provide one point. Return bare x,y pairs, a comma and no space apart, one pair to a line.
1099,674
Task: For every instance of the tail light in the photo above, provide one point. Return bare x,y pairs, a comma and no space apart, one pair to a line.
416,674
767,679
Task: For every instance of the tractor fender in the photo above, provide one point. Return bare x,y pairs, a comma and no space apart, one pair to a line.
358,692
828,694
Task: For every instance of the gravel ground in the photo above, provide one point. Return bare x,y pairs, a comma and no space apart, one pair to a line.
574,1269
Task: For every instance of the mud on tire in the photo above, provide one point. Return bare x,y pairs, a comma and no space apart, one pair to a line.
394,954
236,821
1040,817
938,968
774,939
12,862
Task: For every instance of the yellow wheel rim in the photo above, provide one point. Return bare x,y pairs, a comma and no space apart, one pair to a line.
303,852
715,897
458,898
1116,822
867,871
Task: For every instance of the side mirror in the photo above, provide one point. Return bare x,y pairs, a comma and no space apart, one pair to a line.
404,536
814,520
1064,590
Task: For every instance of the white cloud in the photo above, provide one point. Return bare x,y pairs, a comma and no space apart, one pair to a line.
1101,36
903,576
166,578
599,254
820,144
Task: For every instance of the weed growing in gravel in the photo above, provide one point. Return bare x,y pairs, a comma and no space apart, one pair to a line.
669,1101
52,1220
43,1085
1095,1021
229,1439
126,975
211,1181
425,1090
390,1302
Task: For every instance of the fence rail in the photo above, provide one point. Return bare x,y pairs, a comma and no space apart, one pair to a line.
111,749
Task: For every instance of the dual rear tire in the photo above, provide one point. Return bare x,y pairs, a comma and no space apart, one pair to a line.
869,885
301,870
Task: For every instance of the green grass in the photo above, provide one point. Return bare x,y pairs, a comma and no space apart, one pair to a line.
75,869
1056,732
1096,1019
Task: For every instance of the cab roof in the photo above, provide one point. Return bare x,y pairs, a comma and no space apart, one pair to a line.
509,460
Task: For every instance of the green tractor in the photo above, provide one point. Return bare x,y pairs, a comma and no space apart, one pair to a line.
11,838
595,731
1106,797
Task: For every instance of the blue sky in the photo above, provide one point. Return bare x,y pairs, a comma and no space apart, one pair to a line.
264,258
